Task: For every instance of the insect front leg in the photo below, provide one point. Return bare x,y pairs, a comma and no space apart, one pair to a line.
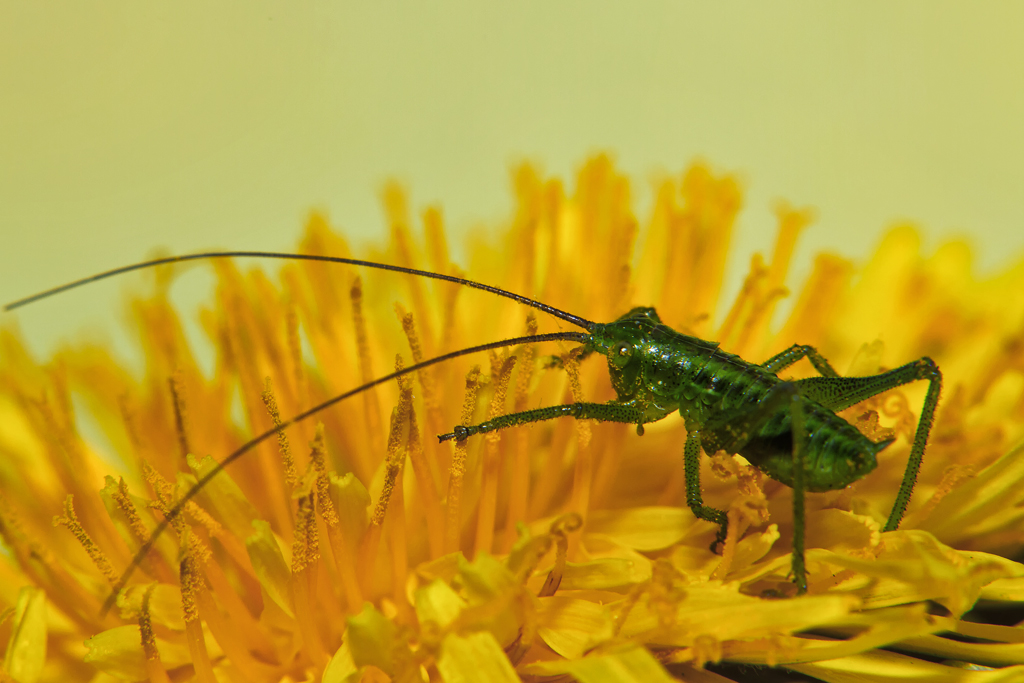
839,393
602,412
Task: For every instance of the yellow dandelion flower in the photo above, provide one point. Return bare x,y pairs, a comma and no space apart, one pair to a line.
353,546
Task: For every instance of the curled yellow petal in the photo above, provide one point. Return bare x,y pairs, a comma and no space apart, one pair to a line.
989,502
26,648
888,667
474,658
371,639
571,627
164,604
644,528
630,665
270,565
342,668
914,566
723,613
118,652
437,602
223,498
605,574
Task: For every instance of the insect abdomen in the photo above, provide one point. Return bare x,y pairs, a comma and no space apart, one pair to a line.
836,453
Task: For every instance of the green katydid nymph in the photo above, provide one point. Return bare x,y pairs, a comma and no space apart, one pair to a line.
787,429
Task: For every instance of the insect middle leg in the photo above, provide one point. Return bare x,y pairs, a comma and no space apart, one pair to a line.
731,433
694,497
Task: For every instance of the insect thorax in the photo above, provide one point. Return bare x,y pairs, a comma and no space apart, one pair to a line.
651,365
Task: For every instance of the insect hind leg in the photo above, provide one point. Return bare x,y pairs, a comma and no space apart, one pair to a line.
839,393
781,361
922,369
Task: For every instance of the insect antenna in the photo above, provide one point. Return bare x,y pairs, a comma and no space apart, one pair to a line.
551,310
176,509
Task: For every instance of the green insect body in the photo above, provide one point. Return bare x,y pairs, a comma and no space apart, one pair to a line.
654,366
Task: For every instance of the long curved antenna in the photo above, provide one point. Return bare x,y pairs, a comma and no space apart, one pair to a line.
252,443
569,317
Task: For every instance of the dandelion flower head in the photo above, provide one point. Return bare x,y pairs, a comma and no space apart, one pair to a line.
353,546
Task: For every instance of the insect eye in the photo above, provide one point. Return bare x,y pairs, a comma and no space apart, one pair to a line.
623,349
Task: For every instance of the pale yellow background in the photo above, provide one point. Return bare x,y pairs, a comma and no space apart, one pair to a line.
127,126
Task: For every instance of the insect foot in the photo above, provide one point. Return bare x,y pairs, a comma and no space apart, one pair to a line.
458,433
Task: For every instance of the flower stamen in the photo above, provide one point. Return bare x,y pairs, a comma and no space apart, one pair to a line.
428,478
393,468
560,530
191,586
155,671
70,520
501,373
519,484
305,554
290,477
176,384
371,402
453,521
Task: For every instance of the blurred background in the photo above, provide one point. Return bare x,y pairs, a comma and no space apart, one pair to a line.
130,126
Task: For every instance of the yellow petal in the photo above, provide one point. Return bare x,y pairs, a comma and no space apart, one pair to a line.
985,654
164,604
914,566
342,668
841,531
696,562
722,612
645,528
889,667
26,649
371,638
633,665
1005,590
486,581
485,578
571,627
118,652
872,629
222,497
476,658
351,501
990,502
438,603
270,566
605,574
445,568
752,548
17,439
